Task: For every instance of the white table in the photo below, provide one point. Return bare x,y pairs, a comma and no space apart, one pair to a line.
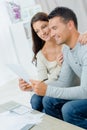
48,122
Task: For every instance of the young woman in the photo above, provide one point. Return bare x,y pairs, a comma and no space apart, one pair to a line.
45,48
48,56
45,55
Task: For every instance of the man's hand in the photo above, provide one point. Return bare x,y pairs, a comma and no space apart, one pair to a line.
39,87
24,86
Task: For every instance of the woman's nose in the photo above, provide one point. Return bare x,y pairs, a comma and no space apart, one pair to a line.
42,32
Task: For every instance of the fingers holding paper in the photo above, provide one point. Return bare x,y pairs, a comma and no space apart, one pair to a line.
39,87
24,86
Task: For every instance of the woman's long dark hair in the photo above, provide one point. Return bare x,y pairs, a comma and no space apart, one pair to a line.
38,43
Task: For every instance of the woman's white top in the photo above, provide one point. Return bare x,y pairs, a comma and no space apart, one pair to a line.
47,69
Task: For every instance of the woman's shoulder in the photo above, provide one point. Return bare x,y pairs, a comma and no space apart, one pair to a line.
40,54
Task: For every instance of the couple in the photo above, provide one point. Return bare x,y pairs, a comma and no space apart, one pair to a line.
66,98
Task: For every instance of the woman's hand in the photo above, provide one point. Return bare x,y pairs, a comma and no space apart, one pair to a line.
24,86
83,38
59,59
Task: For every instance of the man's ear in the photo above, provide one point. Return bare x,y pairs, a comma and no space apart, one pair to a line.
70,25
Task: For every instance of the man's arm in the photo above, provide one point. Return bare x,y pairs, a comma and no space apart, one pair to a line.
52,89
74,92
66,80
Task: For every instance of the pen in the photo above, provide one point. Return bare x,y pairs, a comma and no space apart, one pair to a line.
44,80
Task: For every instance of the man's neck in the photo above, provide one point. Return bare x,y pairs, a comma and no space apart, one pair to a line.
73,40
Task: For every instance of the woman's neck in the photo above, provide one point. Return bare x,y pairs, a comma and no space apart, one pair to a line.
51,50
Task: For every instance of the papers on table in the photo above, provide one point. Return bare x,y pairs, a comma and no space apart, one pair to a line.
20,109
15,107
12,121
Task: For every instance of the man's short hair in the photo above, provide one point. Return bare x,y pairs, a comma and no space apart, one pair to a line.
65,13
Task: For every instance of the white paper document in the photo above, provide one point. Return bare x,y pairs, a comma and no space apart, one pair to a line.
20,71
20,109
13,121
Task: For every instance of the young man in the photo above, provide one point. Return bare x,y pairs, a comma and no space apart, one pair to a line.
71,98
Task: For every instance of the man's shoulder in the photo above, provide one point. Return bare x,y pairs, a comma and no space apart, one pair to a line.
82,48
65,48
81,51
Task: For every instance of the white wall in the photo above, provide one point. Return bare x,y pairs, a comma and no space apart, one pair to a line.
78,6
6,49
14,46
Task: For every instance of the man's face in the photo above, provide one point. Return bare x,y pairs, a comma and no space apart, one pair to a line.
59,30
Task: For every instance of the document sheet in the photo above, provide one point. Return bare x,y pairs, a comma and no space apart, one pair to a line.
20,71
12,121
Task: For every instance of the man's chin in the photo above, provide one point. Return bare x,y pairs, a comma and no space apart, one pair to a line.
58,43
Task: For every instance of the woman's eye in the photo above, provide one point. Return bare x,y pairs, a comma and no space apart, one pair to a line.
37,32
54,28
44,26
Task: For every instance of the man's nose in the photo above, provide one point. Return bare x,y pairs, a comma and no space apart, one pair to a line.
52,34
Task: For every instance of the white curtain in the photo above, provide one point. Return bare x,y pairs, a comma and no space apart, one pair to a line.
47,5
78,6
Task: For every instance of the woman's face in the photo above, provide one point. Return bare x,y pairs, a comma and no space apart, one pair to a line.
42,29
